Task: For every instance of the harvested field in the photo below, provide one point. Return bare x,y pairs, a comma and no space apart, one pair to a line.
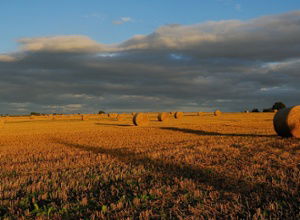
233,165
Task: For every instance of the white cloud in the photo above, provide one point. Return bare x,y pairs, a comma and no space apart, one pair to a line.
123,20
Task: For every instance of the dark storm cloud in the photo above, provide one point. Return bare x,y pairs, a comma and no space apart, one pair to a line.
232,65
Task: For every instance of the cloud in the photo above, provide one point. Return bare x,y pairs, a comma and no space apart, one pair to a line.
268,38
123,20
61,44
6,58
231,65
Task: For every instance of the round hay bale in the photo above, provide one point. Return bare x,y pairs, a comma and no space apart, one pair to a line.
199,113
163,116
178,115
217,113
140,119
287,122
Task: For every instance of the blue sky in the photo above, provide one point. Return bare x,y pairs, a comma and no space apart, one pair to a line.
97,19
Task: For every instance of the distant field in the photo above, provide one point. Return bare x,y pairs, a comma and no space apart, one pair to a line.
232,165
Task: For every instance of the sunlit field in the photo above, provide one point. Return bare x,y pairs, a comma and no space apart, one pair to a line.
197,167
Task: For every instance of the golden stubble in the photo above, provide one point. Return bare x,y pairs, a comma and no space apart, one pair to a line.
196,167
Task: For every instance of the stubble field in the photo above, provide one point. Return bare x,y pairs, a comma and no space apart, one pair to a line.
198,167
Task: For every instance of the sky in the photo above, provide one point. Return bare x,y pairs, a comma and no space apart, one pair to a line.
84,56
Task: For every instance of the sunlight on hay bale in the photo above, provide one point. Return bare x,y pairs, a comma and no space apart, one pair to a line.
287,122
217,113
163,116
199,113
140,119
178,115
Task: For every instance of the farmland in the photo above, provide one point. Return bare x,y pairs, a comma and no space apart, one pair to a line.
232,165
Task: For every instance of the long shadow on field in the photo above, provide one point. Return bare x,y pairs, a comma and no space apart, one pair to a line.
208,133
205,176
118,125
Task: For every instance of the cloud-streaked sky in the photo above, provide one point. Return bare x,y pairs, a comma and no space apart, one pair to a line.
75,56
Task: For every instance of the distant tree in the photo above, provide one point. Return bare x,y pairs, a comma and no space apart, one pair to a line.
268,110
101,112
255,110
278,106
35,113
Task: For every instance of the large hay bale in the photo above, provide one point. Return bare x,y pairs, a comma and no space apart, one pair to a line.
163,116
199,113
287,122
140,119
178,115
217,113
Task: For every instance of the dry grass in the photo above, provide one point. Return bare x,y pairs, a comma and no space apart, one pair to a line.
121,117
1,123
112,115
233,166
